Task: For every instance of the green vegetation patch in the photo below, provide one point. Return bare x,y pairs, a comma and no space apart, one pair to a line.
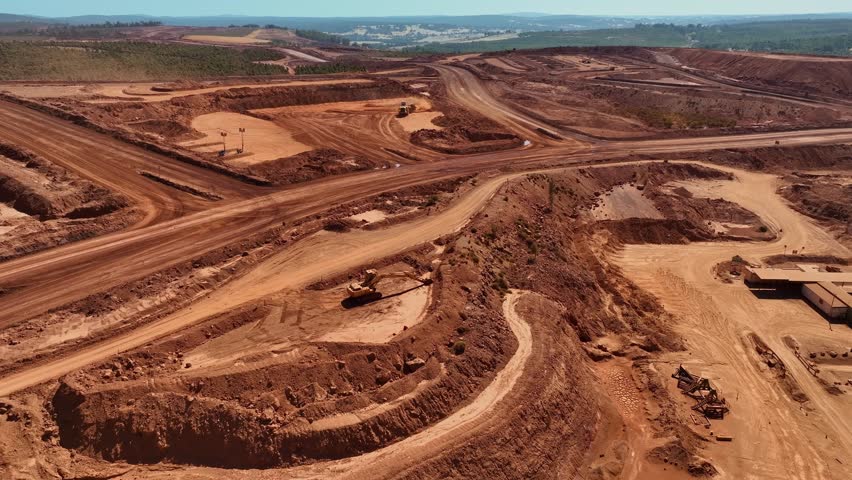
128,61
104,31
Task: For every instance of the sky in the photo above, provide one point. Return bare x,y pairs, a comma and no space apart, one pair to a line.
356,8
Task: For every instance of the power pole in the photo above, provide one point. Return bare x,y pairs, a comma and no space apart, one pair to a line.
243,139
224,146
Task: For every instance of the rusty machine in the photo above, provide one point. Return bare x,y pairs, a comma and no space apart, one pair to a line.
708,400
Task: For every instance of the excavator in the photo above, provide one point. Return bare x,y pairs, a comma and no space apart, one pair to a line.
368,286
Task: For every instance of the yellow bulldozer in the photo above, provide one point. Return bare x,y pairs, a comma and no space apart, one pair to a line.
372,277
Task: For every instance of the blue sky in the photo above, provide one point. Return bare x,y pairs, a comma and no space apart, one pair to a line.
327,8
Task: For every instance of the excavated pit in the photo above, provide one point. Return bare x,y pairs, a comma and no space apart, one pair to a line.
321,401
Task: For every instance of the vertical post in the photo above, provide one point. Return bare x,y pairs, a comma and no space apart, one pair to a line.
224,146
242,139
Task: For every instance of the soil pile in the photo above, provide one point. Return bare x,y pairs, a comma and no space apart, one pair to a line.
827,198
464,141
311,165
782,159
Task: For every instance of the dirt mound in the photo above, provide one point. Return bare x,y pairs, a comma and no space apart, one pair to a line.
165,128
798,73
178,86
658,108
823,197
674,453
310,165
268,425
646,230
649,204
827,259
782,158
463,141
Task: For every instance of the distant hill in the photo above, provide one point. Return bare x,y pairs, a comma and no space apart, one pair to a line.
13,23
466,33
520,21
11,18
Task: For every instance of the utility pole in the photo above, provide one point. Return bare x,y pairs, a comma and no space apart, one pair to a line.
243,139
224,146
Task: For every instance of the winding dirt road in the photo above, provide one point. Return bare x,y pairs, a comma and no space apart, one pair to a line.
465,89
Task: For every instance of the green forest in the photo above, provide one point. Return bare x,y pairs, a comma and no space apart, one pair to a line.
94,61
822,37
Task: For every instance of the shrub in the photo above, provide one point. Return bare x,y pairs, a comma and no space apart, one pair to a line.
459,347
431,201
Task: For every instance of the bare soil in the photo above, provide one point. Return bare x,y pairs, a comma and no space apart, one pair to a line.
583,217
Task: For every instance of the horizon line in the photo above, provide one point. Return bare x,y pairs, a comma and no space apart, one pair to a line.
516,14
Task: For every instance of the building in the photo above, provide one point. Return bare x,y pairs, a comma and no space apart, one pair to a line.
799,275
828,298
826,291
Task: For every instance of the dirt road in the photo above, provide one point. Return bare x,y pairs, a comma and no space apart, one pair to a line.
795,441
468,91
